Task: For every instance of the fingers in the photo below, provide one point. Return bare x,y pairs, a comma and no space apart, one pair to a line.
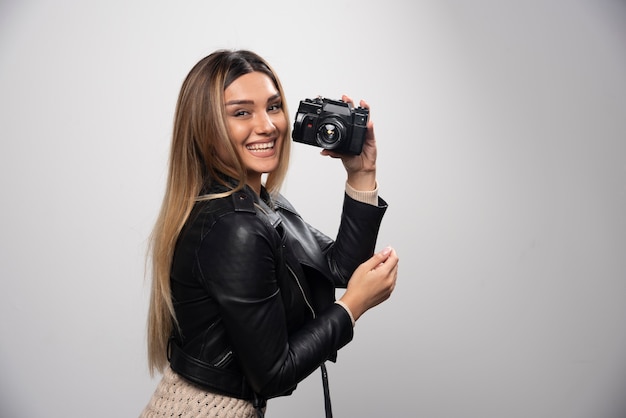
379,259
330,153
372,283
348,99
391,262
389,267
365,105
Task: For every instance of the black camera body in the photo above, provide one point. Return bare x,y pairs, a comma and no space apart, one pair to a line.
331,124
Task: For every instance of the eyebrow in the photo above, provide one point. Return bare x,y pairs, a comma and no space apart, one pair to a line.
250,102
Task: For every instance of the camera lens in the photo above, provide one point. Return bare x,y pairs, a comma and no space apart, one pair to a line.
330,133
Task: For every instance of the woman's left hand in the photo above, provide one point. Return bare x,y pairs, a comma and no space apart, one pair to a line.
361,168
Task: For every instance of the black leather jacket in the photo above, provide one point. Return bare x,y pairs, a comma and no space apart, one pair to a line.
253,287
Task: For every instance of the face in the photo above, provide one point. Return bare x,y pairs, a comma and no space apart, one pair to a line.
256,123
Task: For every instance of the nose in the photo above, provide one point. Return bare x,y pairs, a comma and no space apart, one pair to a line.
265,124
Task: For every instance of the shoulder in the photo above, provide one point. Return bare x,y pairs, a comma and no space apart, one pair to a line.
231,212
212,209
241,213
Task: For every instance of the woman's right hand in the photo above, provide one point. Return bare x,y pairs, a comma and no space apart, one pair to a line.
372,282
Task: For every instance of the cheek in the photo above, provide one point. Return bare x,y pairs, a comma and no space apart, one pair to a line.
281,123
236,133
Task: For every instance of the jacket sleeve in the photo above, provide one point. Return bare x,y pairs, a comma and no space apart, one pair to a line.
239,271
356,238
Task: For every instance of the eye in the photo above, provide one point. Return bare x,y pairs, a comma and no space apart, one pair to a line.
274,107
240,113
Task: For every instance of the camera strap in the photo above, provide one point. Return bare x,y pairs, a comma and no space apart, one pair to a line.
327,405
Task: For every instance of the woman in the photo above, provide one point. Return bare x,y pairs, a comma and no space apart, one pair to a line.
242,306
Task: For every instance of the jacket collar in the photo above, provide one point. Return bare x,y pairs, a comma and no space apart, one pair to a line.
226,183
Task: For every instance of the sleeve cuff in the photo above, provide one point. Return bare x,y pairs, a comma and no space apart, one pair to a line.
370,197
344,306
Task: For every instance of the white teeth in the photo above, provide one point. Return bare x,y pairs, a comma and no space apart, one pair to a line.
259,147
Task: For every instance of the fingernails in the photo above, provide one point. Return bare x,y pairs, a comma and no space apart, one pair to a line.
386,251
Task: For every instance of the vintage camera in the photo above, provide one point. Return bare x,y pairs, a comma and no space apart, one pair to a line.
331,124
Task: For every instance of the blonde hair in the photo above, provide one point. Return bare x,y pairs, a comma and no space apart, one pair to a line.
199,129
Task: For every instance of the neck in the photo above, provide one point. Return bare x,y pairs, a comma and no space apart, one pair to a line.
254,181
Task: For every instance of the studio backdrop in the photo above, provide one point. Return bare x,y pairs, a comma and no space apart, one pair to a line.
501,130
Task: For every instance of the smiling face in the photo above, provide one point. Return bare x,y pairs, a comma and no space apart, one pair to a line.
256,123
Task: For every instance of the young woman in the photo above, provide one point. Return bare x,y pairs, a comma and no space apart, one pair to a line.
243,295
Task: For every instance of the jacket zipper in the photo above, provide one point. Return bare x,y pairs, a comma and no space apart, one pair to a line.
294,275
301,291
225,358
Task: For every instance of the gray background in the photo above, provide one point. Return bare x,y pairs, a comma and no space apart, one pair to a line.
502,138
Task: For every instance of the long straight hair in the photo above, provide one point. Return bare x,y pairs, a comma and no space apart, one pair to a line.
194,163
